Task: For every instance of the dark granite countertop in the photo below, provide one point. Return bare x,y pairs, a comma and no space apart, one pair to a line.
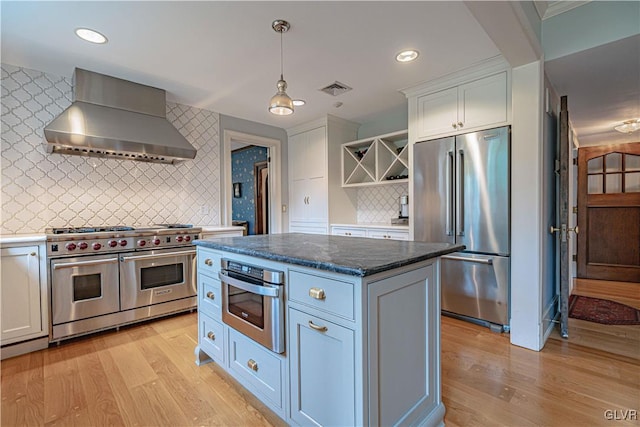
355,256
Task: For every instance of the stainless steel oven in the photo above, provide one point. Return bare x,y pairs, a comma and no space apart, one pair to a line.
84,287
253,302
156,276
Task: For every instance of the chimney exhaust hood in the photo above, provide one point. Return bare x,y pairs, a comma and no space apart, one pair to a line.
116,118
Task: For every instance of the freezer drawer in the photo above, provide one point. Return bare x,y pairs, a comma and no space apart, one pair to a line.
476,286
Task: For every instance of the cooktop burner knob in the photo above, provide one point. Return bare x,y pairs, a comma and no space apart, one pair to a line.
179,239
83,245
112,243
187,238
96,246
70,246
123,242
141,242
156,242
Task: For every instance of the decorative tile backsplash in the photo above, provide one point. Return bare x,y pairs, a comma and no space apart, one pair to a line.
378,204
42,190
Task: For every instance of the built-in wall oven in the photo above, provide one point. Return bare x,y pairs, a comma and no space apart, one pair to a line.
105,277
253,302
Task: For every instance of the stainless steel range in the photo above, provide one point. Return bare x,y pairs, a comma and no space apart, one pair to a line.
101,277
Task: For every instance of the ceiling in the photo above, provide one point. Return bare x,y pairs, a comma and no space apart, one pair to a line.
225,57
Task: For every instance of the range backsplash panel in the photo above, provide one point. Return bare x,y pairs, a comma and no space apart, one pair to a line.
42,190
378,204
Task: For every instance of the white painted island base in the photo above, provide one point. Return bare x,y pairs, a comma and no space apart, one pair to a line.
366,354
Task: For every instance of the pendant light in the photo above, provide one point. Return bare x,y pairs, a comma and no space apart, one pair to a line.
281,104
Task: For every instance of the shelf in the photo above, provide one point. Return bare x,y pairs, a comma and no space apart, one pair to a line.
373,160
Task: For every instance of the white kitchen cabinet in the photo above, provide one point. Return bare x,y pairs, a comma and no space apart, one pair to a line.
23,297
478,104
374,232
315,193
322,360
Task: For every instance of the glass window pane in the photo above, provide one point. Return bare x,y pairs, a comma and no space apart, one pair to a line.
594,165
613,162
87,287
163,275
614,183
632,182
632,162
595,184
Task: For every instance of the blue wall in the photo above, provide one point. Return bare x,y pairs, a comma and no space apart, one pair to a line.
242,163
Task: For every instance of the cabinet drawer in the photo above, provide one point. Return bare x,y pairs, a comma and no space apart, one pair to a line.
211,337
208,262
324,293
351,232
388,234
310,228
255,364
209,296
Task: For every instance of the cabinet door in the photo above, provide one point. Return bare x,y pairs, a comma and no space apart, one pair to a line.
437,113
297,155
388,234
483,102
315,164
322,363
317,200
20,294
298,200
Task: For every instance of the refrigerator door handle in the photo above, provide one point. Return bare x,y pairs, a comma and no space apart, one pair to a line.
487,261
449,191
460,194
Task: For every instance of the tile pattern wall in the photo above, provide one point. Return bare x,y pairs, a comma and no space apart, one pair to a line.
379,204
42,190
242,170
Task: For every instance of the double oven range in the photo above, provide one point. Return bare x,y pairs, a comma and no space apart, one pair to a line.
101,277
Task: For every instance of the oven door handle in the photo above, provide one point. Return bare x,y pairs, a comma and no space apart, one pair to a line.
254,289
84,263
167,255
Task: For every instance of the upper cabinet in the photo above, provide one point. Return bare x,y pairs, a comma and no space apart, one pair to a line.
377,160
463,102
478,104
316,196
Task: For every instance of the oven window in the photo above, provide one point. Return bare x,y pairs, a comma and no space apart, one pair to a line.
162,275
87,287
247,306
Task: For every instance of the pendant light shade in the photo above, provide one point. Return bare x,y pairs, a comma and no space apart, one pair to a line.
281,104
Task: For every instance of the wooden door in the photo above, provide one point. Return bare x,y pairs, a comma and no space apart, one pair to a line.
261,202
609,212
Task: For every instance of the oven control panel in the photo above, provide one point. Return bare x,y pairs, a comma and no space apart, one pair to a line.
163,241
88,246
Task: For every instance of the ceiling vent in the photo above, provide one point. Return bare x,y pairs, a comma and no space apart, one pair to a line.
336,88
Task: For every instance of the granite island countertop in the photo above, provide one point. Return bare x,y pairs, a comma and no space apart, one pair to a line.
354,256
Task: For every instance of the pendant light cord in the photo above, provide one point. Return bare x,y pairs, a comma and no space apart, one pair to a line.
281,60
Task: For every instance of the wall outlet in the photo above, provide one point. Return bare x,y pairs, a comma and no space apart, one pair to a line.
204,210
284,208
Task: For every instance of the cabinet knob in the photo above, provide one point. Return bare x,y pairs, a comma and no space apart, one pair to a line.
253,365
211,336
455,126
317,293
460,124
348,234
208,262
317,328
211,295
33,254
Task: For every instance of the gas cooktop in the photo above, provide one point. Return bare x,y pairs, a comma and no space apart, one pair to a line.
117,228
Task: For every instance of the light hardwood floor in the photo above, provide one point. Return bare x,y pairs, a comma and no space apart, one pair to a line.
145,375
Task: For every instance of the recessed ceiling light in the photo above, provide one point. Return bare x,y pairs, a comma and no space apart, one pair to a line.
299,102
628,126
90,35
407,55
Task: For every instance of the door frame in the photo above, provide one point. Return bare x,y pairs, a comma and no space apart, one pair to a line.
258,167
274,166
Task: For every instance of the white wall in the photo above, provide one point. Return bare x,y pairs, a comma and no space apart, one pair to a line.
526,206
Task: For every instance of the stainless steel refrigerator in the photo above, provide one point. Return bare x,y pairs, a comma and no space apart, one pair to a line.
461,195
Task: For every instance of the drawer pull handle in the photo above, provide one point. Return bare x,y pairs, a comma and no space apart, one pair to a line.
210,295
208,262
317,293
253,365
317,328
211,336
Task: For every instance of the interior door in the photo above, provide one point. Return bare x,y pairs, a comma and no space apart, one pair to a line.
562,227
609,212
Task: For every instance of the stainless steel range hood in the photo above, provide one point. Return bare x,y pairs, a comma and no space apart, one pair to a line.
116,118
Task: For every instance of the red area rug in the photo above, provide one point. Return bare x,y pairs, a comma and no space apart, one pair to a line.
602,311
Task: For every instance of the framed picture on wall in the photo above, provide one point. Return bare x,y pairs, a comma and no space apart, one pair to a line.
237,189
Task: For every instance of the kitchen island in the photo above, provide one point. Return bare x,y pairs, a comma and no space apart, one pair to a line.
360,317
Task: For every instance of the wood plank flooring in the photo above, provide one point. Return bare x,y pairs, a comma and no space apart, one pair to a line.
145,375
